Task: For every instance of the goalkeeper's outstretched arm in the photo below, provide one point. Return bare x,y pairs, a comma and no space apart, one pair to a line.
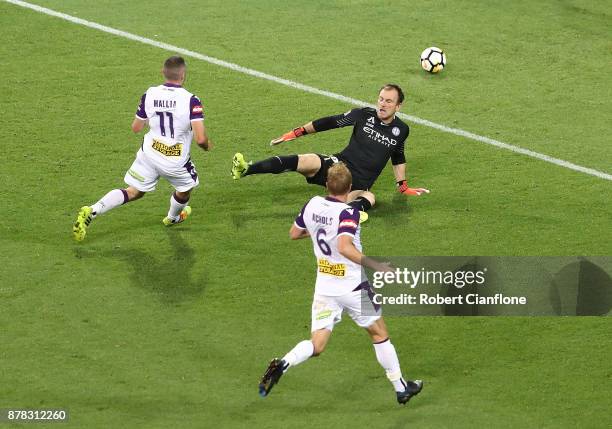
399,170
316,126
294,134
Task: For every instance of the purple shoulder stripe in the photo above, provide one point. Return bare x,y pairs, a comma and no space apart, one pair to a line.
348,221
196,111
299,220
140,112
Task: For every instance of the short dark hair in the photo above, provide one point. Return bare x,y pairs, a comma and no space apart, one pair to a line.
339,179
173,67
400,93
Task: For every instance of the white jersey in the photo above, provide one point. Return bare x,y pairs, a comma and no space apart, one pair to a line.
326,219
170,109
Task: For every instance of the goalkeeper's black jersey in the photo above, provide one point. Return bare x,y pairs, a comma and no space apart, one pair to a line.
372,143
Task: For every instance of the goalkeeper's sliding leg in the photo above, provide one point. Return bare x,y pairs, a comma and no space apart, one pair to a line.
308,165
362,201
313,167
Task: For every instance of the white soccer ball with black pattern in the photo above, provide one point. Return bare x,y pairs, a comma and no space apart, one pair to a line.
433,60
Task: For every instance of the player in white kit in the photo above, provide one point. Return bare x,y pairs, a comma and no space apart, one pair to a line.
341,284
175,117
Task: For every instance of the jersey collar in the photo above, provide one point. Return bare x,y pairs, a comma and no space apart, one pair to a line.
173,85
389,124
328,198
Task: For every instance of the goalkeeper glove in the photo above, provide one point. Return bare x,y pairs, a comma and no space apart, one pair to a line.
402,187
293,134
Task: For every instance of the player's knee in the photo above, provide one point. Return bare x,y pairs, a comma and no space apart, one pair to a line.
133,193
318,346
378,331
183,196
308,164
378,338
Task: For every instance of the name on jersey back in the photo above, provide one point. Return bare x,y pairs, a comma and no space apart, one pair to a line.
164,104
321,219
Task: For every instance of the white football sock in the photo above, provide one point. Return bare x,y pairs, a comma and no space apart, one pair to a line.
175,208
301,352
113,199
387,358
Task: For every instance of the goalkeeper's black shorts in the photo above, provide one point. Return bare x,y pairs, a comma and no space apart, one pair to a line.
320,177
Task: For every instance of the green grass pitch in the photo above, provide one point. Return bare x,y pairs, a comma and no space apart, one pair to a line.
145,327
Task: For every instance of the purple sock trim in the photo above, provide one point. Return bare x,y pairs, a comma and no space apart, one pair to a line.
126,198
383,341
178,200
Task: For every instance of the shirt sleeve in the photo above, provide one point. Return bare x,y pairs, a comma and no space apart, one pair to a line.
349,221
140,112
337,121
397,156
196,111
299,220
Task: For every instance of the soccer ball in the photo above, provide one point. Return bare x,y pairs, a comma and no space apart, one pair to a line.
433,60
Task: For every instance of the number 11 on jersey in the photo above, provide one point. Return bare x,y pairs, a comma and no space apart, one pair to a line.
162,125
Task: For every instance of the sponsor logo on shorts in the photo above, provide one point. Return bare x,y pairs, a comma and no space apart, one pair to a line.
323,314
326,267
166,150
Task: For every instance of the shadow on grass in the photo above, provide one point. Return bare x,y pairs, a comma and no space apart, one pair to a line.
397,206
289,202
286,216
167,277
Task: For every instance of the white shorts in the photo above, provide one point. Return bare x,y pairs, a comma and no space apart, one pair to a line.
327,310
145,172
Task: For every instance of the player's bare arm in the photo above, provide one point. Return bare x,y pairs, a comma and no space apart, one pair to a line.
399,171
295,233
349,251
138,124
200,136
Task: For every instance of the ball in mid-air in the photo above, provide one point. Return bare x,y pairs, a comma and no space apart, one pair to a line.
433,60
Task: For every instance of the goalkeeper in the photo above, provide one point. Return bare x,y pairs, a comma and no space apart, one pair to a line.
378,135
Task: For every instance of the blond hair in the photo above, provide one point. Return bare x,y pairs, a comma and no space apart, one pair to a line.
339,179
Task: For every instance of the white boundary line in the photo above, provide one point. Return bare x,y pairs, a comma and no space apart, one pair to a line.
310,89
